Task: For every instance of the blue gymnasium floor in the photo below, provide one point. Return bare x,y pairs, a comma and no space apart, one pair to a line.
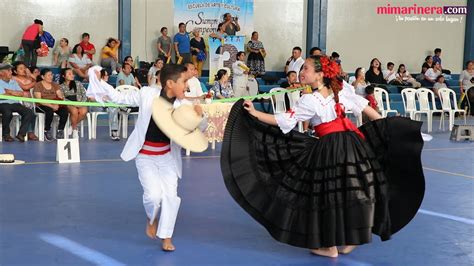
91,213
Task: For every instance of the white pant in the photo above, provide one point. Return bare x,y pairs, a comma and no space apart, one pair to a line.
240,87
160,187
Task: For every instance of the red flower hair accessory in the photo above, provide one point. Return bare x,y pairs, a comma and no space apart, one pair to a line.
330,68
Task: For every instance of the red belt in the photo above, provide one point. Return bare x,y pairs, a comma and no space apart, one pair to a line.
340,124
155,148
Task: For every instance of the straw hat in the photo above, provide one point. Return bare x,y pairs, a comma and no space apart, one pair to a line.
180,124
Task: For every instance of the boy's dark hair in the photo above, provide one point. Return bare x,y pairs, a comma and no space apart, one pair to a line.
38,21
439,77
85,34
297,48
369,89
334,55
389,64
181,24
171,72
314,49
239,53
289,73
437,50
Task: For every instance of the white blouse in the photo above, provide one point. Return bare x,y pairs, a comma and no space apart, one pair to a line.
318,110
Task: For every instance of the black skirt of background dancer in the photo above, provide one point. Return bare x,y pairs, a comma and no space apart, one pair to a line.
336,190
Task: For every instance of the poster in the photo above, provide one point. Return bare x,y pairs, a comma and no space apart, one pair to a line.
223,53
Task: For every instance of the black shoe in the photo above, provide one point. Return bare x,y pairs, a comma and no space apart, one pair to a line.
115,135
60,134
8,138
48,136
20,137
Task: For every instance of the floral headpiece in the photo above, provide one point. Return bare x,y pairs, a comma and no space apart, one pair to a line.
330,68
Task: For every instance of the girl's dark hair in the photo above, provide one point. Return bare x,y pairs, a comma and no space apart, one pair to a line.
439,77
126,58
103,73
335,84
109,41
163,29
220,74
66,40
372,61
357,72
74,50
43,72
219,26
62,79
253,33
427,58
15,67
468,62
400,66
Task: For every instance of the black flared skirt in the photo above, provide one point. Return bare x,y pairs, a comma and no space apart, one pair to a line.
335,190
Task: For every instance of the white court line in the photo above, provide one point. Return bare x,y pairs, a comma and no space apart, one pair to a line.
79,250
447,216
347,261
446,172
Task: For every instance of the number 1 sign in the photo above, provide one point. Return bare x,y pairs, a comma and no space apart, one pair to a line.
68,151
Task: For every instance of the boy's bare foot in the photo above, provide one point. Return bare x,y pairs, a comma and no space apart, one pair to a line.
167,245
325,252
346,249
151,228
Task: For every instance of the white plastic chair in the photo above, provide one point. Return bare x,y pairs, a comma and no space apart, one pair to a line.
93,123
124,115
383,102
409,102
445,95
425,97
253,86
278,101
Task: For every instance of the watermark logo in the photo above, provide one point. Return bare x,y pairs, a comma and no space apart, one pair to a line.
415,13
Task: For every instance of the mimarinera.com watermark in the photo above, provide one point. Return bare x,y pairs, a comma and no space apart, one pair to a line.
415,13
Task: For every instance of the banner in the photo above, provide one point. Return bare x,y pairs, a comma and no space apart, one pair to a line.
222,54
205,15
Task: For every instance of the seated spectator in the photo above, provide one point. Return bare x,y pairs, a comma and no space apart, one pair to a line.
369,95
405,78
431,75
439,84
389,74
437,58
426,65
222,88
79,62
94,81
109,56
231,25
73,91
291,81
295,62
21,74
156,82
47,89
315,51
125,77
194,91
34,73
374,75
61,53
336,58
360,83
158,65
87,47
240,76
9,86
129,60
466,79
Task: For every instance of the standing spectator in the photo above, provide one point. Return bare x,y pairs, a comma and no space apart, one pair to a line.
222,88
73,91
47,89
109,56
389,74
255,59
198,51
359,83
315,51
404,76
164,45
431,75
466,79
125,77
9,86
231,25
87,47
79,62
151,77
374,75
240,76
61,53
437,58
30,42
182,44
129,60
295,62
